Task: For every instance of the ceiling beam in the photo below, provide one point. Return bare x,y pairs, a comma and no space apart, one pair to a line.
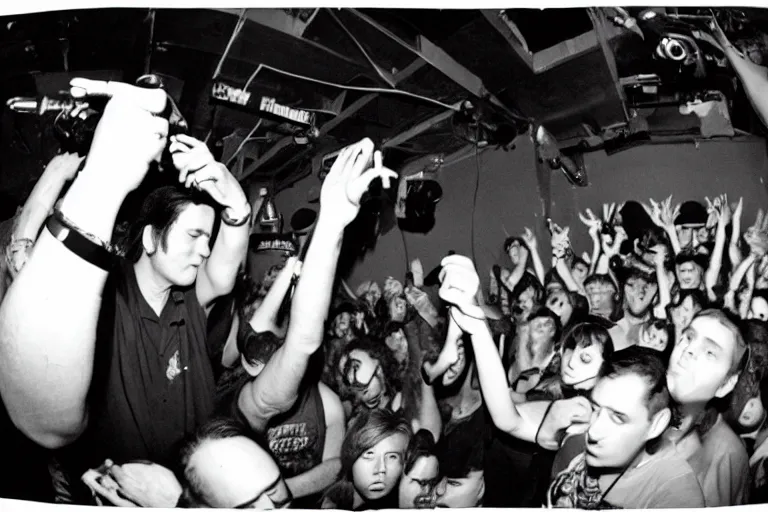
509,30
419,128
443,62
548,58
406,73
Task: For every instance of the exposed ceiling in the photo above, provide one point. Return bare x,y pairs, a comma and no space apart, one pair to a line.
592,76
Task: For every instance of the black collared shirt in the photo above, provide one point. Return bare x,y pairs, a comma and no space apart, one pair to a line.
153,382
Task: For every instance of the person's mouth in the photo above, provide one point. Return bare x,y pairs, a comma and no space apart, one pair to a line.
376,487
373,402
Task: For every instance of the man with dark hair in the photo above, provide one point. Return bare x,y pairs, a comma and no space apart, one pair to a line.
704,367
689,270
619,463
461,456
639,290
420,472
120,344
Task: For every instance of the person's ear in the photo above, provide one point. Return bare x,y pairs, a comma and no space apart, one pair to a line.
148,240
727,386
659,423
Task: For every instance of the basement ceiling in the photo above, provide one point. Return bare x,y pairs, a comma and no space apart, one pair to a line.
589,75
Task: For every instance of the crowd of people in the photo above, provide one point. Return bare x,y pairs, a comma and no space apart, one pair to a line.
141,366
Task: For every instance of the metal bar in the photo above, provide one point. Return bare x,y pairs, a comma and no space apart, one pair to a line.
493,17
419,128
443,62
288,140
330,125
610,59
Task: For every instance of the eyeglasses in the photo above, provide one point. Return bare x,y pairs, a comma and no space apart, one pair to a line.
272,492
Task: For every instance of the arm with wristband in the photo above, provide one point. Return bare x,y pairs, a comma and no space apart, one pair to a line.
49,316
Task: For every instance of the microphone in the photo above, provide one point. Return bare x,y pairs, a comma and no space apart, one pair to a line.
40,106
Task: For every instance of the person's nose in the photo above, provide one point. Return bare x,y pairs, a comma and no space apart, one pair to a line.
203,248
380,467
441,487
596,431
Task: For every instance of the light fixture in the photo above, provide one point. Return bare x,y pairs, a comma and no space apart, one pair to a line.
267,216
547,150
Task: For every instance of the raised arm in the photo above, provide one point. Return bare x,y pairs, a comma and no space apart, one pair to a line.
734,251
276,388
49,315
510,279
39,205
723,212
665,286
753,77
530,240
264,318
197,168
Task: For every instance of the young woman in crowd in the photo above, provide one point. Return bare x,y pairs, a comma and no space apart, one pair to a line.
372,458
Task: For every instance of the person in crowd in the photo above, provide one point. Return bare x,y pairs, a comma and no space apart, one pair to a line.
639,292
689,303
370,376
533,349
223,466
659,335
618,462
704,366
603,296
372,457
99,332
421,470
585,348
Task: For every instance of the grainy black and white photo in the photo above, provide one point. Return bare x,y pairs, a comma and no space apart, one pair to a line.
378,258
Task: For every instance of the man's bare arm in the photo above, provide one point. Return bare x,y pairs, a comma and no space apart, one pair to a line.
276,387
49,315
325,474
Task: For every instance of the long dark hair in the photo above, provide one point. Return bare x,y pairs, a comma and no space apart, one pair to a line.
160,209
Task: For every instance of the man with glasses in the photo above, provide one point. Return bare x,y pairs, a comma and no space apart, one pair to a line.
223,467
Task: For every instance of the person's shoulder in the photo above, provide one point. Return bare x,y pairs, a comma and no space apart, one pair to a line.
674,483
722,441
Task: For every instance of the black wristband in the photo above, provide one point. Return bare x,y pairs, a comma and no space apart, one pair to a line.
72,239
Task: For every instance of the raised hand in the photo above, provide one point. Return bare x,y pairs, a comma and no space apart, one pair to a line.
349,179
459,284
129,135
593,223
757,235
530,239
198,168
417,270
611,247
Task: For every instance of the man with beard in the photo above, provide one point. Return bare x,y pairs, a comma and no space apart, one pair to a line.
639,293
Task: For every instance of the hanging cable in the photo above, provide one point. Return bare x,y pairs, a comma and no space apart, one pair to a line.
362,50
242,144
235,33
455,108
474,198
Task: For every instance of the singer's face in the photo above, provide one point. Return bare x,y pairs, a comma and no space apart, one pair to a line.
178,258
